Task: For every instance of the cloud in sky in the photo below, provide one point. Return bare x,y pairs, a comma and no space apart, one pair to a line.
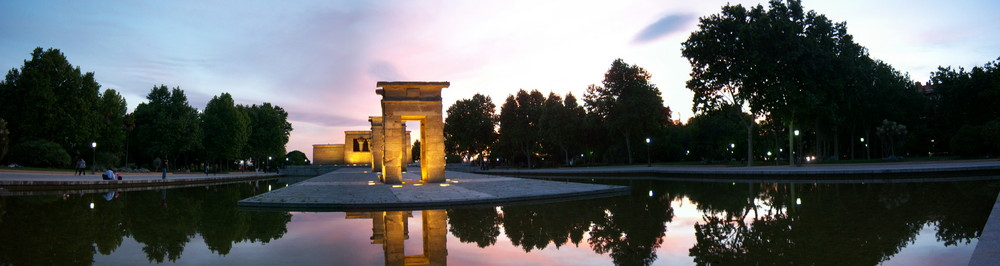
669,24
320,60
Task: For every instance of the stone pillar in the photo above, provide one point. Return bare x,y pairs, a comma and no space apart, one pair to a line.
406,137
432,149
436,236
392,154
378,142
408,149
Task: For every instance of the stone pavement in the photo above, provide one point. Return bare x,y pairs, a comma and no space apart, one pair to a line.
356,189
815,171
14,183
987,251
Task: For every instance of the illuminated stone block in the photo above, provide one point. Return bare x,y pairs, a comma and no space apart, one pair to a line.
377,143
328,154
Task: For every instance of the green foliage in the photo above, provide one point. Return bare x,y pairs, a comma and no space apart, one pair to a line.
105,159
111,127
4,139
415,151
269,130
628,103
469,128
296,157
41,153
977,140
715,131
50,99
519,116
166,125
797,68
561,125
453,158
226,129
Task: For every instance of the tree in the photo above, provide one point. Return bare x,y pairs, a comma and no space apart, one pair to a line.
111,126
469,129
518,119
561,123
269,130
167,125
791,66
628,103
4,139
226,129
50,99
296,157
415,151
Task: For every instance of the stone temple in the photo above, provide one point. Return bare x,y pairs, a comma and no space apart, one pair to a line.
386,147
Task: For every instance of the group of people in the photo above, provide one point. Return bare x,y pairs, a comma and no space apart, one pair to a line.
81,169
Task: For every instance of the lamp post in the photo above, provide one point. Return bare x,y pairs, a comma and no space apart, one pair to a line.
93,164
931,153
268,163
798,151
868,154
648,162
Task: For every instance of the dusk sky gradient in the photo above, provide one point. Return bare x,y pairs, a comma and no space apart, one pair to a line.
320,60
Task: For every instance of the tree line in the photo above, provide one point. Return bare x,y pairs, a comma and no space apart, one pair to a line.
52,114
774,83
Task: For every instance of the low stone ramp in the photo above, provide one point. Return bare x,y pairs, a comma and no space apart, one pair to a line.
354,190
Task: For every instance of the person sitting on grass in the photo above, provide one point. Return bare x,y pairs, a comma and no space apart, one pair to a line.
109,174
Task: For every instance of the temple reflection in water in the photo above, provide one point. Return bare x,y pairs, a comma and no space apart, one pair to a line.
390,229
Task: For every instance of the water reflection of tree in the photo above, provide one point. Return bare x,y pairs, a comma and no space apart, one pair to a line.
632,228
843,223
51,231
535,226
58,230
480,226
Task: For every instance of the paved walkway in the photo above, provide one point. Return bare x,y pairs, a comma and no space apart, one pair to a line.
355,189
30,183
987,251
848,171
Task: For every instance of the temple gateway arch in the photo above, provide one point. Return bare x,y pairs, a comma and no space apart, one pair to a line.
411,101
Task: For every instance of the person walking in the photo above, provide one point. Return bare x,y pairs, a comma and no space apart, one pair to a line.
81,167
164,167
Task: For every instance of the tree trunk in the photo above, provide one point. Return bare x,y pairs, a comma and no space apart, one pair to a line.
628,145
851,141
836,143
791,143
565,155
749,142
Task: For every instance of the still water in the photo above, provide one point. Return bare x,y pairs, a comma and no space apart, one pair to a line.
660,223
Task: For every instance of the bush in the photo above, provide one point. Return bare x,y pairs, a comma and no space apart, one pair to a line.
977,140
40,153
105,159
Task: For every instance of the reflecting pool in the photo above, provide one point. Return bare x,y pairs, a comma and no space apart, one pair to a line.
660,223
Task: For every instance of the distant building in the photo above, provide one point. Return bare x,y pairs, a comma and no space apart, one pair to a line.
356,150
925,89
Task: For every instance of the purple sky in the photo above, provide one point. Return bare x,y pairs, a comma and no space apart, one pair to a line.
320,60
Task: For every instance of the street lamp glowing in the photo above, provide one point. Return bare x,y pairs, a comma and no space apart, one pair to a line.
732,145
862,140
796,132
648,162
93,163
